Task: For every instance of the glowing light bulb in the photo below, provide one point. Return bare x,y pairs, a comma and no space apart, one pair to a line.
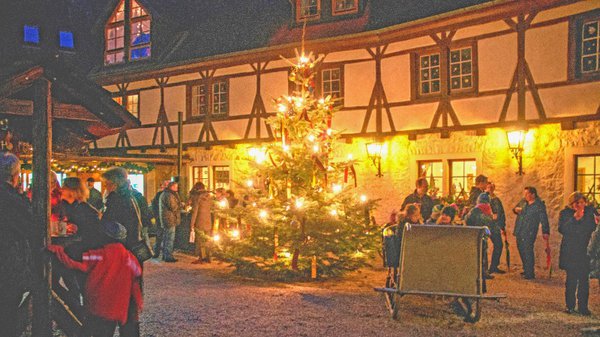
363,198
299,203
316,148
249,183
303,59
321,101
329,132
311,138
223,203
216,238
350,157
286,148
282,107
337,188
235,233
263,214
333,212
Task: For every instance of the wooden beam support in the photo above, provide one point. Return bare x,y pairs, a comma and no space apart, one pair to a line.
59,110
21,81
42,145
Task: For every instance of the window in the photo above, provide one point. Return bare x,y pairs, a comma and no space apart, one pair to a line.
462,176
119,47
31,34
65,40
308,9
461,69
132,103
208,97
136,182
344,6
433,171
429,77
331,83
460,75
590,48
587,176
212,177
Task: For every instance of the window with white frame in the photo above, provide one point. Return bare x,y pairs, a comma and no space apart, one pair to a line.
208,97
120,48
433,171
462,176
331,83
460,77
587,176
308,9
213,177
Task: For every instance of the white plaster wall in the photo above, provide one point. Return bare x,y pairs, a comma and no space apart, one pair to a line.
580,99
241,95
359,79
414,117
497,58
395,76
273,85
347,55
174,101
546,52
478,110
149,106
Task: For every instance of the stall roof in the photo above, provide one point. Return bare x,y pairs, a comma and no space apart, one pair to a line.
82,110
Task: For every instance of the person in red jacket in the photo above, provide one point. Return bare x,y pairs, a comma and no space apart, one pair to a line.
112,289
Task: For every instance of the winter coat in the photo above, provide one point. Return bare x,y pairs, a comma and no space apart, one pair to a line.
576,237
201,202
528,221
16,264
95,199
112,280
156,205
120,208
425,201
497,208
89,229
145,212
593,251
169,209
474,195
480,215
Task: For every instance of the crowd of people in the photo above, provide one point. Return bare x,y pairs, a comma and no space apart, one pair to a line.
578,225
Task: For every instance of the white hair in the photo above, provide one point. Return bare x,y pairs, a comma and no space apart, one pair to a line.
9,166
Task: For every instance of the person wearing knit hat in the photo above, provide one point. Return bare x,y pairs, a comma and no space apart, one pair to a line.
436,211
447,216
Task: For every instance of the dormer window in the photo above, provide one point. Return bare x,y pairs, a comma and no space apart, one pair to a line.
127,35
341,7
308,9
65,40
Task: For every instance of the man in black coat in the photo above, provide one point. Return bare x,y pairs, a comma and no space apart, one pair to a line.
576,223
16,266
156,213
95,198
481,183
531,211
496,227
420,197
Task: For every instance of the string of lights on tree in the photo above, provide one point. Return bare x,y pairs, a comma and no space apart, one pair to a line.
301,216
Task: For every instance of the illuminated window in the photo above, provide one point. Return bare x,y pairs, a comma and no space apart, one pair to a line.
210,96
120,48
462,176
212,177
137,182
65,40
344,6
221,177
587,176
433,171
331,82
308,9
118,99
133,105
31,34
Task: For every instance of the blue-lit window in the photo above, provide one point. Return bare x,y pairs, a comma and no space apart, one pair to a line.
31,34
66,39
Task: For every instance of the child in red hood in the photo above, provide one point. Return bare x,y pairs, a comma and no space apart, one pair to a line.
112,288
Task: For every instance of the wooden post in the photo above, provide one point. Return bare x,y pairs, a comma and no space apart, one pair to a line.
182,185
521,89
42,153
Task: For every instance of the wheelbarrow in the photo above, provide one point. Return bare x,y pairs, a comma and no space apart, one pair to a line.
435,260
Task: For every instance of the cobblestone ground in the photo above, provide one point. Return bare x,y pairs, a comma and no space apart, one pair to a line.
185,300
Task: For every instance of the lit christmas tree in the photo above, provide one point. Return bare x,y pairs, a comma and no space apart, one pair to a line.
300,216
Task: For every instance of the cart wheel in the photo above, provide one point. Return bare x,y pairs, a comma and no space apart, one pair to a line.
473,310
392,299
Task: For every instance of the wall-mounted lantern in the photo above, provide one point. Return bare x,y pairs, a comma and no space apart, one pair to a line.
516,139
374,151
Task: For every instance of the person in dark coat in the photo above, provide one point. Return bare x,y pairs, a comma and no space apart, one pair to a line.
156,214
420,197
496,227
531,212
481,215
576,224
95,198
481,183
170,218
120,207
16,264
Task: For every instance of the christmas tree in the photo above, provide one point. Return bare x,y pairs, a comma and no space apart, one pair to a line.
301,216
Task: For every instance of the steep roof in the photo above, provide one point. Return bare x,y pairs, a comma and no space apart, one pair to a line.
184,31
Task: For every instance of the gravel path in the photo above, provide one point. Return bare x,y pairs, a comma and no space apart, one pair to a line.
185,300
